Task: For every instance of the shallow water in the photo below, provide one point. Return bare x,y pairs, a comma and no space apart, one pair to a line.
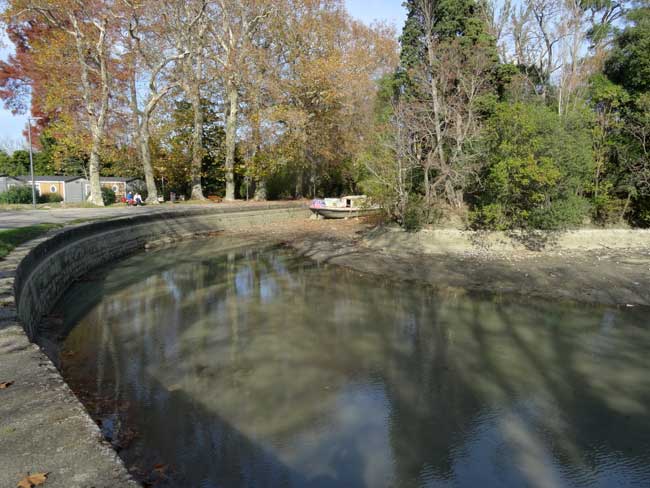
222,365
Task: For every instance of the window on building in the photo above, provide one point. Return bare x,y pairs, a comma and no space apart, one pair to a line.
115,188
53,189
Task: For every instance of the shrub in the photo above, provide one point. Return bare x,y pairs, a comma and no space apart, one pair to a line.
490,216
608,209
417,214
641,212
413,219
50,198
17,194
569,212
540,164
108,196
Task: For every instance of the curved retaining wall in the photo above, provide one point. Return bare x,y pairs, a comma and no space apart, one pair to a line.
43,427
46,272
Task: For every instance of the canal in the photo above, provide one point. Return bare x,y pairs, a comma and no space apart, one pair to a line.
221,364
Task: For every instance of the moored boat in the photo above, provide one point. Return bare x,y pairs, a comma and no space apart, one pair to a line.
343,208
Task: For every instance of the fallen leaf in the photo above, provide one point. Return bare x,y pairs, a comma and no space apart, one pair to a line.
5,385
32,480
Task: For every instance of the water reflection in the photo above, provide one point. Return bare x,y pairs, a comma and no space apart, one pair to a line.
249,367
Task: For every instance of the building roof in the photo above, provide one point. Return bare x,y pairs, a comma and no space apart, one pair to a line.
107,179
64,179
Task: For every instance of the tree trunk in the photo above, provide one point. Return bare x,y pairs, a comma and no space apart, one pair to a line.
133,100
93,168
299,183
437,116
260,190
145,156
260,174
621,219
141,139
231,133
427,183
197,144
97,121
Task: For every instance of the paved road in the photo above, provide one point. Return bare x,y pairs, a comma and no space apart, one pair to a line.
21,218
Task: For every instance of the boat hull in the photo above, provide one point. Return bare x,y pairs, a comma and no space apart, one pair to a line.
343,213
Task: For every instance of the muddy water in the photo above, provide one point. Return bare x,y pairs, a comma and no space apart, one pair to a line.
220,365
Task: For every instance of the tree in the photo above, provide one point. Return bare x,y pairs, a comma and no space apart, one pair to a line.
311,114
448,60
233,30
173,148
187,24
86,25
628,69
150,52
13,165
388,164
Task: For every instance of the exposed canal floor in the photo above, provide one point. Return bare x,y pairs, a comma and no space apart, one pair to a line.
220,364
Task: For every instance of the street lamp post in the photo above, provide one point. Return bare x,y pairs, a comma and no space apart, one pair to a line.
31,158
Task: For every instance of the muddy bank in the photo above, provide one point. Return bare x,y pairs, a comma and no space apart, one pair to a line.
604,275
435,241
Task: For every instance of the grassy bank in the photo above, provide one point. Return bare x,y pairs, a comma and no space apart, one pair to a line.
11,238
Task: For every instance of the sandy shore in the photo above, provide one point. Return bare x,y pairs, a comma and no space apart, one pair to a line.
618,277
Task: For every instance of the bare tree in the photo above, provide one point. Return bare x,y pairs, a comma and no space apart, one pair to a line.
149,51
497,17
572,70
188,23
443,115
234,25
394,159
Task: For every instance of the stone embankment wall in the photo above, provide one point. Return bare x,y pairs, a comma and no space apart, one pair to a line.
43,427
46,272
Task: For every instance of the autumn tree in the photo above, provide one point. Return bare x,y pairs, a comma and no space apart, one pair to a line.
88,29
322,103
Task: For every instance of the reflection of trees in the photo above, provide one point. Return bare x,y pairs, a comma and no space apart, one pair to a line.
231,355
533,369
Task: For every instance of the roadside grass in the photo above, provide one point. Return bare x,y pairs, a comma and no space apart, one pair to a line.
11,238
53,206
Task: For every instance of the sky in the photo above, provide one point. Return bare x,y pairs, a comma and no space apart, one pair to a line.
368,11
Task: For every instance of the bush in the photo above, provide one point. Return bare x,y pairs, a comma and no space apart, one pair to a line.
608,209
108,196
539,165
417,214
641,212
490,216
50,198
17,194
569,212
413,219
